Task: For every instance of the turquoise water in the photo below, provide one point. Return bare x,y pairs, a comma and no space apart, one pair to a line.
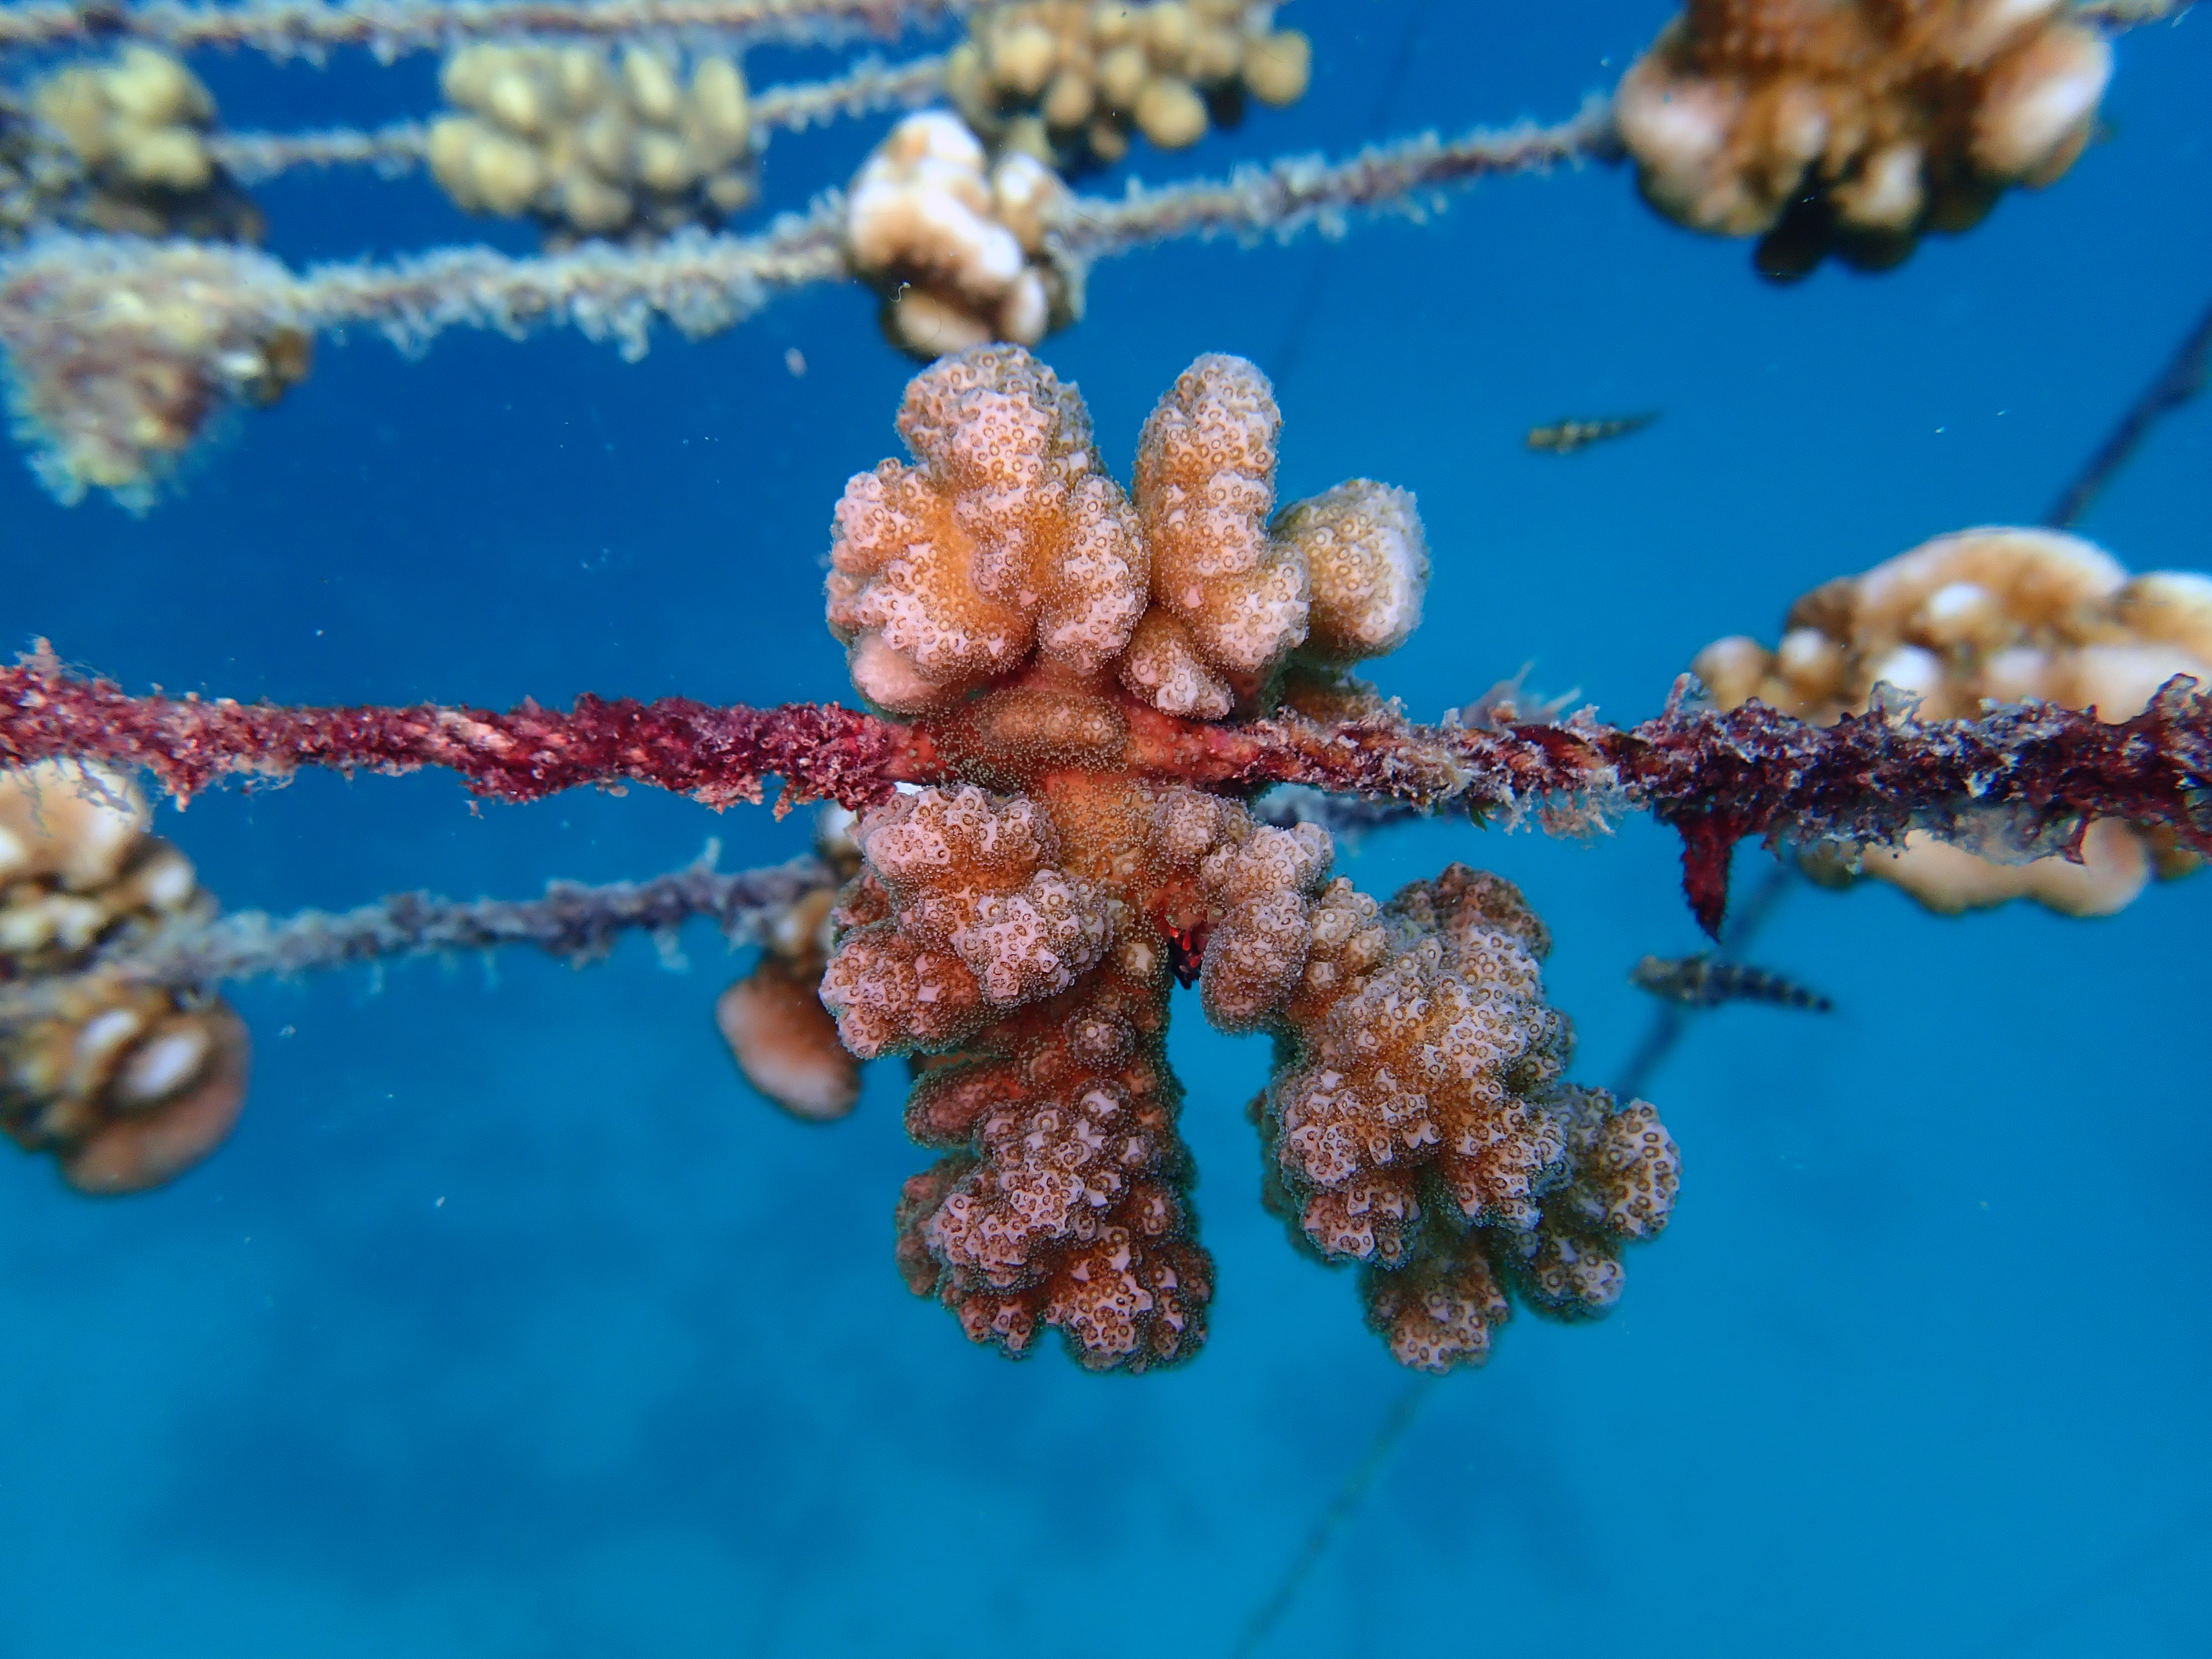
509,1323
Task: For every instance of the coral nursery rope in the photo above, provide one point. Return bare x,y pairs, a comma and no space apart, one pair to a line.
389,28
870,85
571,922
2021,781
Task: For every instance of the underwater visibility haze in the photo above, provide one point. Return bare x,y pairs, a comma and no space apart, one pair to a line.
510,1319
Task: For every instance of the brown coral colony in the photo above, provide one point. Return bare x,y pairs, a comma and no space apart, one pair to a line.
1853,127
1021,928
127,1085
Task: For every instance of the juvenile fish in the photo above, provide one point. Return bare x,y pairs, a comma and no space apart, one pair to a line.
1699,981
1565,437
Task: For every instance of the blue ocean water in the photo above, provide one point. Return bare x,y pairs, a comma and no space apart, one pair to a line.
510,1323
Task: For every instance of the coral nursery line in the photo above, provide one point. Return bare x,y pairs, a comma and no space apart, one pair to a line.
2023,780
573,922
289,27
135,307
296,28
705,283
870,85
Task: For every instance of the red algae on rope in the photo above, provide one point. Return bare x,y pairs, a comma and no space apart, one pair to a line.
1718,778
719,756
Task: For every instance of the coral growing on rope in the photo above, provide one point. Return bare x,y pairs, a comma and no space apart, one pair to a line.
1083,688
594,147
1843,126
1853,127
123,354
136,129
126,1085
1992,616
962,249
1021,922
1068,80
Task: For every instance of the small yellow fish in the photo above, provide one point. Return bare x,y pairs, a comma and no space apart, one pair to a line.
1565,437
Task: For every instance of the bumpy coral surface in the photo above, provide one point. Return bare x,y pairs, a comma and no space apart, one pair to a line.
1442,1311
1852,127
1068,80
1022,928
1420,1049
595,146
137,128
126,1085
1007,550
2002,616
961,248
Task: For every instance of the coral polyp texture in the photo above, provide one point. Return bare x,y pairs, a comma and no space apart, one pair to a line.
1997,616
591,145
1070,81
1853,127
1418,1124
126,1085
1022,923
963,249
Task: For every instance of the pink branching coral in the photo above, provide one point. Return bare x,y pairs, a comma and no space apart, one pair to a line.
1024,920
1087,686
1418,1125
1852,127
1440,1311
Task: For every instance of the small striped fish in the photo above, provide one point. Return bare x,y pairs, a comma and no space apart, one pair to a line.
1699,981
1565,437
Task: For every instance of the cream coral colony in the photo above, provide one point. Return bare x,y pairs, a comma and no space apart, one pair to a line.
1017,930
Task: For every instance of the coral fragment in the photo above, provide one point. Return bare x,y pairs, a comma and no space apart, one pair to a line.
127,1084
1853,127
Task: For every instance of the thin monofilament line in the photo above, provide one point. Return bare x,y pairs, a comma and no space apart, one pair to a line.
1404,1411
402,146
286,28
2181,379
1666,1031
